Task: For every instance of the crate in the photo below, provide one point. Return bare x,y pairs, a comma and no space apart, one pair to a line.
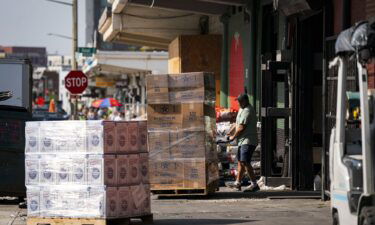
146,219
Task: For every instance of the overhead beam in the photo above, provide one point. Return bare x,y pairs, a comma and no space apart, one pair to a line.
227,2
193,6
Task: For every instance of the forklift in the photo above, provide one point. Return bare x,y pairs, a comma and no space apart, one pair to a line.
352,142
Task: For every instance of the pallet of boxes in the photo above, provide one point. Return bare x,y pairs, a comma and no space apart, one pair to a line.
181,134
87,172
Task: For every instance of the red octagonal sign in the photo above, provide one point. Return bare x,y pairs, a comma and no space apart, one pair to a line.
76,82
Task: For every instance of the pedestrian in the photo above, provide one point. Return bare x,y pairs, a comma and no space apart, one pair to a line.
246,134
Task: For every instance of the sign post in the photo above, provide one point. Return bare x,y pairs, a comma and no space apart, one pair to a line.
76,82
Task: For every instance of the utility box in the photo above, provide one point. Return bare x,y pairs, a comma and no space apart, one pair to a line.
193,53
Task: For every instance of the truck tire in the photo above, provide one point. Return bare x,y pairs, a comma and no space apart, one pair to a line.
335,218
367,216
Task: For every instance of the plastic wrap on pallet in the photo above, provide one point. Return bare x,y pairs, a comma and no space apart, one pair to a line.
181,88
73,169
88,201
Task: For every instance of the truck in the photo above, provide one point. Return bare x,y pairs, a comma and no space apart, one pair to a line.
15,110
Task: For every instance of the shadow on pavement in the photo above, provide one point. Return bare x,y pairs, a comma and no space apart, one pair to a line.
198,221
260,194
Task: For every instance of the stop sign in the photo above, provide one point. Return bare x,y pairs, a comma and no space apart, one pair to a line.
76,82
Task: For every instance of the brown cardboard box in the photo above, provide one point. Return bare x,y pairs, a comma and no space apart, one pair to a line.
111,202
164,117
187,80
110,170
157,89
195,173
167,174
133,137
142,136
139,194
191,144
143,161
134,169
109,137
122,140
193,116
123,175
159,146
124,202
146,208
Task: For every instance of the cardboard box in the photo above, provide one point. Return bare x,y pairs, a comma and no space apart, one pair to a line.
134,169
79,171
133,137
110,170
195,174
139,195
146,208
190,145
95,170
124,202
157,89
47,169
109,137
166,174
123,175
64,171
96,202
159,145
32,137
142,136
186,80
32,170
95,134
111,202
122,140
143,161
33,199
164,117
68,136
49,204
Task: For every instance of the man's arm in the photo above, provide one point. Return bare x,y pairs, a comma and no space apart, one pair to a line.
239,129
231,130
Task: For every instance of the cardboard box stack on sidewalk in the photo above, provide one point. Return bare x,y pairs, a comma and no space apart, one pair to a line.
87,169
181,131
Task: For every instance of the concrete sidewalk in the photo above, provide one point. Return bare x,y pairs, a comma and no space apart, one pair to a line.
225,207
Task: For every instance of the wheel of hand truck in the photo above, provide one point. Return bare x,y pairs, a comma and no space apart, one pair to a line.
335,218
367,216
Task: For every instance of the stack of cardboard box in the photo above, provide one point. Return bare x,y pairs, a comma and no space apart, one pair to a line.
181,131
90,169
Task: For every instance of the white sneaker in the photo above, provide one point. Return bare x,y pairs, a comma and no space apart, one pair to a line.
251,188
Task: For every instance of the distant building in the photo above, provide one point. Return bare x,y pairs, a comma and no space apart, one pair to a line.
37,55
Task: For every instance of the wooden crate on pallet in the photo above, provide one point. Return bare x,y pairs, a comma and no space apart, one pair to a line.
146,219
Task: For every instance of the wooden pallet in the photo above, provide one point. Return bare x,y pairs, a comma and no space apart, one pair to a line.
210,189
146,219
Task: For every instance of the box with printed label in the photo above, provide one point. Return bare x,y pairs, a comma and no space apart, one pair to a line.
49,204
94,132
123,175
48,169
124,202
134,169
79,171
33,200
139,196
95,170
69,136
166,174
32,170
146,207
110,170
159,145
195,174
143,163
96,202
157,89
142,136
133,137
47,135
164,117
32,137
122,140
64,171
111,202
109,137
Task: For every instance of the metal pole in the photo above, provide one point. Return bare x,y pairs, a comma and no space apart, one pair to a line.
74,49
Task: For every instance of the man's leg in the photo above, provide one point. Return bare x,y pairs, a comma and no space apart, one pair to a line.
250,171
241,169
